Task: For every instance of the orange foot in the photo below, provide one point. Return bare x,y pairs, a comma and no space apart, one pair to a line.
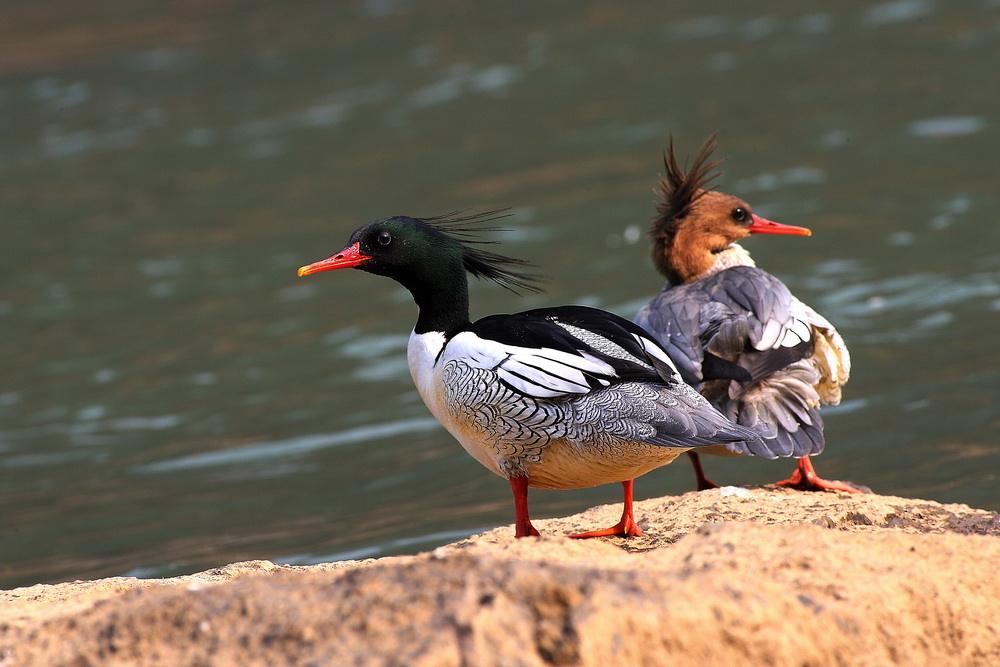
522,521
525,531
624,528
804,478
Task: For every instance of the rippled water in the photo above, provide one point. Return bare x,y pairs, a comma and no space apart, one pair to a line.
172,397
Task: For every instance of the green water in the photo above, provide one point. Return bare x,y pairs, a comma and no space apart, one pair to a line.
172,397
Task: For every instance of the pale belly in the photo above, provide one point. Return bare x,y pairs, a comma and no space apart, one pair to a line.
567,465
718,450
563,464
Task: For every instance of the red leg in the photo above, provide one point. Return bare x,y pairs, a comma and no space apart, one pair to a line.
703,482
804,478
624,528
522,522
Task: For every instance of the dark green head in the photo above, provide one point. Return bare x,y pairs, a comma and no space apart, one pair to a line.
430,257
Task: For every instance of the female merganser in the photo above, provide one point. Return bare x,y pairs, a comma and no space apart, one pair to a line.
760,355
561,398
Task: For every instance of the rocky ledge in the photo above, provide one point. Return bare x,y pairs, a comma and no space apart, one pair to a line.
729,576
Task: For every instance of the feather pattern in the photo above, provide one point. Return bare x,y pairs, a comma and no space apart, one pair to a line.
794,358
518,387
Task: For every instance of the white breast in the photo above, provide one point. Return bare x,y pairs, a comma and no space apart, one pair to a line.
422,351
422,354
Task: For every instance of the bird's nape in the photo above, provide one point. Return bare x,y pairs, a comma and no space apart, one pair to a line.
680,188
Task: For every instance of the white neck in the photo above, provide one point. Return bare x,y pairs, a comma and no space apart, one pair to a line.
733,255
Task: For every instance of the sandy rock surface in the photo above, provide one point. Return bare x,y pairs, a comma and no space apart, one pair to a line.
729,576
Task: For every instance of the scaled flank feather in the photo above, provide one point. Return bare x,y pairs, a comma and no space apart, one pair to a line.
463,228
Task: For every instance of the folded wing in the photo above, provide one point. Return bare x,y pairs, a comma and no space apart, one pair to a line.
578,373
780,357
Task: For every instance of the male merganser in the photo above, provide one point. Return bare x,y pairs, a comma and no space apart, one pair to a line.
561,398
760,355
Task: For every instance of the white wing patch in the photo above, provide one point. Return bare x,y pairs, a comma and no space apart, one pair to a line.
654,351
782,334
536,372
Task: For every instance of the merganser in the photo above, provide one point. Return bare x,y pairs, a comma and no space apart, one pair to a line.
560,398
762,357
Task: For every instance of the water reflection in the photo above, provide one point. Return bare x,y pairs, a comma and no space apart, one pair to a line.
291,446
946,126
897,11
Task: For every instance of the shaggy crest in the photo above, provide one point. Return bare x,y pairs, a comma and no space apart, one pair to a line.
678,190
463,229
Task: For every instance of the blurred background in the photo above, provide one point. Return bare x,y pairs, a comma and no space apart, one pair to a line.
173,398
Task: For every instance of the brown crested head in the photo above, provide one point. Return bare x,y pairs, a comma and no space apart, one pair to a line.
694,224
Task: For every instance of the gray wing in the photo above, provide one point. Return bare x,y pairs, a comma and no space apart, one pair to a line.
752,319
674,317
782,407
744,320
580,374
521,425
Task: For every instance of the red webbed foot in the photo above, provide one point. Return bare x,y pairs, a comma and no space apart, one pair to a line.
627,527
624,528
805,478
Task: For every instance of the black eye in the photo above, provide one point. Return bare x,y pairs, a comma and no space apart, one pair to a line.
384,238
739,214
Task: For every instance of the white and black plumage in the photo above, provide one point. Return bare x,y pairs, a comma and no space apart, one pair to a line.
568,397
564,397
764,358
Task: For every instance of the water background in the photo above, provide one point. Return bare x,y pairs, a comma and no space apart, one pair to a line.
173,398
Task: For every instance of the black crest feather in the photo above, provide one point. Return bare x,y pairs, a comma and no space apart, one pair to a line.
679,189
463,229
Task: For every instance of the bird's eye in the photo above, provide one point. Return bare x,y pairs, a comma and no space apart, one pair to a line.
384,238
739,214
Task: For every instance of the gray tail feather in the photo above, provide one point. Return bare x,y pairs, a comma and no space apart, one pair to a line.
702,425
731,435
804,439
722,432
808,439
741,436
